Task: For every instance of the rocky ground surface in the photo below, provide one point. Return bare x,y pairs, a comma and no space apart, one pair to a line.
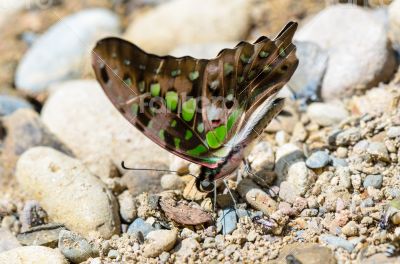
325,186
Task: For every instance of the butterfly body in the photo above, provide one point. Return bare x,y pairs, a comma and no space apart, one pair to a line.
209,112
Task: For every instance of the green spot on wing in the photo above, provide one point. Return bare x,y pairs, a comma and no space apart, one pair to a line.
188,109
244,58
175,73
240,79
263,54
155,89
232,119
228,69
282,52
200,127
177,143
173,123
135,109
251,74
216,137
141,86
188,134
200,149
267,69
128,82
161,135
194,75
172,100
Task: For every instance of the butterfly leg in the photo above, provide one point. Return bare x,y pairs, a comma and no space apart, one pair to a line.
231,194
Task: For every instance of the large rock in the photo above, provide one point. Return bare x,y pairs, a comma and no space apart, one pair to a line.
64,49
189,21
394,24
68,192
98,134
327,114
32,255
359,54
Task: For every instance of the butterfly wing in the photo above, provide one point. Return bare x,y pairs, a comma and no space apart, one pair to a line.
158,95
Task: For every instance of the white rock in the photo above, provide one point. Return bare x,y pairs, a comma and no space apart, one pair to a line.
68,192
32,255
7,240
190,21
256,197
172,182
394,24
300,176
356,41
64,48
327,114
159,241
127,206
100,136
286,156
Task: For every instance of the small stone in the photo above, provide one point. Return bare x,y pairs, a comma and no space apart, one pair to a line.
227,221
393,132
139,225
350,229
113,254
374,181
159,241
318,160
10,104
127,206
337,242
172,182
256,197
339,162
288,192
287,155
164,257
7,240
379,151
348,137
32,254
327,114
74,247
187,248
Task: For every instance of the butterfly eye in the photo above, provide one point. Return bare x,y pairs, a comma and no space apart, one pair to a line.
206,186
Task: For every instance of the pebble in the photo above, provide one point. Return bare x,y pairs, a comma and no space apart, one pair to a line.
44,235
379,151
288,192
224,20
139,225
172,182
327,114
285,157
7,240
187,248
227,221
100,139
350,229
71,39
10,104
54,180
32,254
318,160
74,247
127,206
355,39
256,197
300,177
159,241
307,79
309,253
339,162
348,137
394,24
337,242
24,131
393,132
373,181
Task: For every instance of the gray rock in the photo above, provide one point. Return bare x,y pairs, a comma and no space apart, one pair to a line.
336,162
393,132
159,241
64,48
139,225
373,181
221,21
7,240
369,202
44,235
69,193
348,137
100,139
286,156
318,159
74,247
187,248
33,254
379,151
227,221
10,104
307,79
355,39
337,242
327,114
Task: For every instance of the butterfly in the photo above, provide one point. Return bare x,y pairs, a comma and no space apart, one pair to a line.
209,112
